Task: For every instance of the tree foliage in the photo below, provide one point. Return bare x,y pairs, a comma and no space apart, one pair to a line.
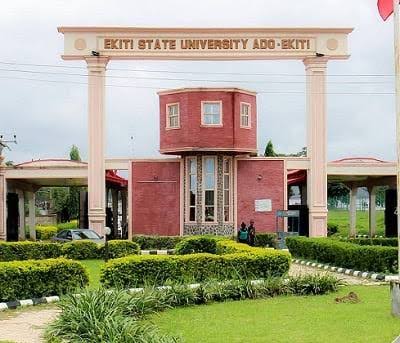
269,150
64,200
74,153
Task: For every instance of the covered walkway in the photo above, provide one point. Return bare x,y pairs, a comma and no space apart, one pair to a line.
22,181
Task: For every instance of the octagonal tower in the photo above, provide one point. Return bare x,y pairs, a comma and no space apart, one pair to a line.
208,120
207,127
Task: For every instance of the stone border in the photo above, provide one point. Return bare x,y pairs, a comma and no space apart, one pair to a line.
158,252
350,272
12,305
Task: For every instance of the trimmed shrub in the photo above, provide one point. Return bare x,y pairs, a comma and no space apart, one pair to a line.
18,251
33,279
344,254
197,244
265,240
120,248
332,229
81,250
238,261
76,250
157,242
46,232
73,224
385,242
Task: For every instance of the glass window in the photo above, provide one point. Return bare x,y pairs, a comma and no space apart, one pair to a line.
173,116
209,189
192,177
212,113
244,115
227,189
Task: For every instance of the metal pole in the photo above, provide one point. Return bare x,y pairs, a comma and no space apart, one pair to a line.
397,100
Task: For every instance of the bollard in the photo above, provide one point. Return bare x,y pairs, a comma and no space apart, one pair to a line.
395,294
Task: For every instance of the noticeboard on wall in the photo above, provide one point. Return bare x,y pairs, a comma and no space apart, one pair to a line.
263,205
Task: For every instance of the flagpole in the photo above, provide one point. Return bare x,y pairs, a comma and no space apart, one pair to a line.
396,24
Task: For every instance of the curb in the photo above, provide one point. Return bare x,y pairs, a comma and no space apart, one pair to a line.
157,252
12,305
350,272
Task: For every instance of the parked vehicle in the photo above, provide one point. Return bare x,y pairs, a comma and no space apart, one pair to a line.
76,235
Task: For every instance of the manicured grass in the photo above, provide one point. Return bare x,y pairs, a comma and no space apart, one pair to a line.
288,319
93,267
341,218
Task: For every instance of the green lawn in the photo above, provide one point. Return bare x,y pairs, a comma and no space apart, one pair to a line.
341,218
93,267
288,319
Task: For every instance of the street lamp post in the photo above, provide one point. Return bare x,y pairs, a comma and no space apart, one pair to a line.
107,232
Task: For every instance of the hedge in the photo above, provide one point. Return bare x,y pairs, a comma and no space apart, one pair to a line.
120,248
46,232
81,250
73,224
196,244
344,254
157,242
33,279
18,251
332,229
265,240
77,250
386,242
236,261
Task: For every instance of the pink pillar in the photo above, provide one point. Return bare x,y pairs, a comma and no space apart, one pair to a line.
96,128
3,203
316,145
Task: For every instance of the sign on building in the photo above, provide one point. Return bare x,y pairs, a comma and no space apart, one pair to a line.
263,205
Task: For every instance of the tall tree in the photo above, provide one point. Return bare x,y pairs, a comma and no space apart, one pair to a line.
72,204
74,153
269,150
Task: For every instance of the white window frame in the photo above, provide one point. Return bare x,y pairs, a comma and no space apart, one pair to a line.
230,218
220,124
248,126
167,117
188,174
203,204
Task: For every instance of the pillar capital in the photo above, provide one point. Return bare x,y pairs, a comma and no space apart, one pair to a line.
316,62
97,63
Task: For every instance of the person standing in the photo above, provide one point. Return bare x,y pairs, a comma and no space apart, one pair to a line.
252,233
243,234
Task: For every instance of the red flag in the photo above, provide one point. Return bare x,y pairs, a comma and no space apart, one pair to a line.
385,8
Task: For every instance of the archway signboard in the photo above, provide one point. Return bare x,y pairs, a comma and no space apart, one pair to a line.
209,44
314,46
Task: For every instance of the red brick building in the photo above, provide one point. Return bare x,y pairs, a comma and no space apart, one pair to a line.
217,181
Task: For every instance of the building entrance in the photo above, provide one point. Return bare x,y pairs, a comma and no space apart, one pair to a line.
313,46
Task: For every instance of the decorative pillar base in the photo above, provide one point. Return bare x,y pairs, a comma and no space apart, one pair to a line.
318,222
97,221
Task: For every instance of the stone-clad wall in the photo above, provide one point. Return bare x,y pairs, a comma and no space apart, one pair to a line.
201,228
